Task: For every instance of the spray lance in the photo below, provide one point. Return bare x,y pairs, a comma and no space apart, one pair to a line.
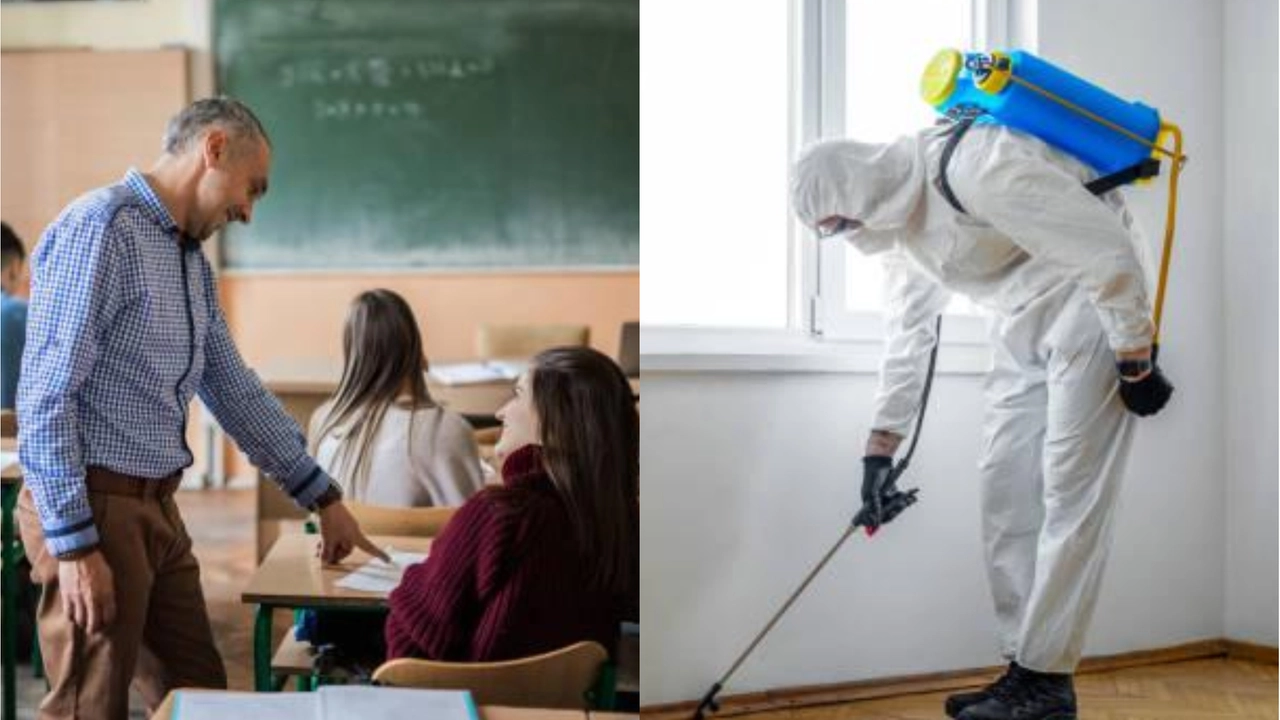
1123,141
894,505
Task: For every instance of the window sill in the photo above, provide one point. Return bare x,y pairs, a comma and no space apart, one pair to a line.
673,349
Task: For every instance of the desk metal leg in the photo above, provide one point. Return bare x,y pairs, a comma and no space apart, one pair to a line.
9,589
604,694
262,648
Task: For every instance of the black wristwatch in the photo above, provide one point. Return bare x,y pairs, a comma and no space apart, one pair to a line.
1133,368
331,495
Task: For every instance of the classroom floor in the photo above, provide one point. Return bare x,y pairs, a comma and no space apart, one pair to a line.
1216,689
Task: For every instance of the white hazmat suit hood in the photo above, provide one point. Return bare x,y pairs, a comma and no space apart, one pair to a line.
877,185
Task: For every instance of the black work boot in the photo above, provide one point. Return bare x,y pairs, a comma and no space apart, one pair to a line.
958,702
1028,695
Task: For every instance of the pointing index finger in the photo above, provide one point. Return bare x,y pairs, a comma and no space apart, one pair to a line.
367,545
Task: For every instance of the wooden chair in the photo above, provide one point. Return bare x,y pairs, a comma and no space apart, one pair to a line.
572,677
525,341
294,658
629,349
487,440
8,424
383,520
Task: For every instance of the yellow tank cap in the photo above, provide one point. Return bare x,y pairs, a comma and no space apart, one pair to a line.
998,77
939,79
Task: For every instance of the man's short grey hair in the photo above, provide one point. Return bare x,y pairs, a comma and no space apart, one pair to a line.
233,116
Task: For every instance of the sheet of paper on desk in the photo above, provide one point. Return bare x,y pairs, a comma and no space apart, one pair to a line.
474,373
405,559
377,576
342,702
7,459
259,706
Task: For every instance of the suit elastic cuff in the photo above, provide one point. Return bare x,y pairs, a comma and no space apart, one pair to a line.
69,538
307,483
898,426
1128,334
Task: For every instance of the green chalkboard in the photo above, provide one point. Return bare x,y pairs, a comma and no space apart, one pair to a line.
439,133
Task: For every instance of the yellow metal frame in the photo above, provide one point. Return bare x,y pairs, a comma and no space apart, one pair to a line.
1175,170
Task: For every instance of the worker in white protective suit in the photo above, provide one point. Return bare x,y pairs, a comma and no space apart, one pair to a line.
1065,275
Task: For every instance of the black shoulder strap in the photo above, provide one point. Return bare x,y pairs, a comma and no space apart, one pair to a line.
1105,184
957,131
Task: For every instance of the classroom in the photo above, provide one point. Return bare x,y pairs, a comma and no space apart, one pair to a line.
781,372
407,237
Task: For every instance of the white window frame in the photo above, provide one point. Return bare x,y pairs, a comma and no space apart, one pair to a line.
819,306
818,339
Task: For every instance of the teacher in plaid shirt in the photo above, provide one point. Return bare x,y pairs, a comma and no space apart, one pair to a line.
124,328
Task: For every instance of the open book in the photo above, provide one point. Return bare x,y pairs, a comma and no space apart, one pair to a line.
473,373
331,702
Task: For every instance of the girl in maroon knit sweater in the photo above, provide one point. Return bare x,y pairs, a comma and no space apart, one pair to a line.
550,558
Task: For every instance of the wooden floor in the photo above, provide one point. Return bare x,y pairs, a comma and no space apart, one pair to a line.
1216,689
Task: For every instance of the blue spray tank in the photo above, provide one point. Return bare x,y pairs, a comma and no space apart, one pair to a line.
1123,141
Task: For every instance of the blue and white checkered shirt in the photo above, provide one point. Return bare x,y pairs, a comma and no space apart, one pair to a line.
124,327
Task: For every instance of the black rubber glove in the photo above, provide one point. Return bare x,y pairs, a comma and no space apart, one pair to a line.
1148,395
881,499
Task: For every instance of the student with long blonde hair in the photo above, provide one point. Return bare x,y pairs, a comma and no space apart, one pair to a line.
381,435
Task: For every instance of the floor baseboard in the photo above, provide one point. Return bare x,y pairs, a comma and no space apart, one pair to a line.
807,696
1240,650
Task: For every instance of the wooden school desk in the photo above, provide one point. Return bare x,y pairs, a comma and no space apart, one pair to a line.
10,483
487,712
303,386
291,576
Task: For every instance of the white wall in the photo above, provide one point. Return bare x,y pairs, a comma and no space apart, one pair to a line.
749,477
1249,247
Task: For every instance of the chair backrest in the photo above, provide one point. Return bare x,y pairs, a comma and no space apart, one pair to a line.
558,679
384,520
487,442
525,341
8,423
629,349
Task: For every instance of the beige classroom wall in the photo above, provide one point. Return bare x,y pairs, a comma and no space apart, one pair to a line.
115,26
146,25
281,318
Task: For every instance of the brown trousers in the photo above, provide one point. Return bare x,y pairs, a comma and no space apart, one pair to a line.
160,638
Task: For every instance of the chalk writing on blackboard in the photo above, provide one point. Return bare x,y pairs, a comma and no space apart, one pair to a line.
378,72
347,109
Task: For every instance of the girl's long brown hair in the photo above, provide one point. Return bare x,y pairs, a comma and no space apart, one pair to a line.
591,446
381,350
